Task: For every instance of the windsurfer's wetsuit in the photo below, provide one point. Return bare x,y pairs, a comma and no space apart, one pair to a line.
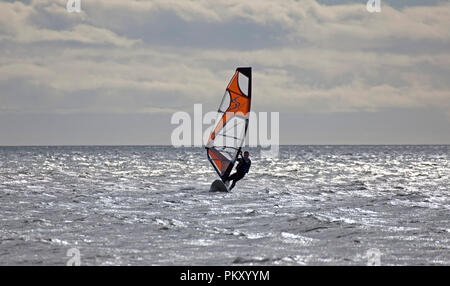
241,169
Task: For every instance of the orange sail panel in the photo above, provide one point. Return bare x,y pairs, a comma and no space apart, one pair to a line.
226,140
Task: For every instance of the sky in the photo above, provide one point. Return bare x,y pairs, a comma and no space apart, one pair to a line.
115,73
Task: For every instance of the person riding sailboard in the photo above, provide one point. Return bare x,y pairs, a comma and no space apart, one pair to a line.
242,169
226,140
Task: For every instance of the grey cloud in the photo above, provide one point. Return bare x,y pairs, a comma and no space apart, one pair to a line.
397,4
21,96
167,29
239,25
130,58
25,24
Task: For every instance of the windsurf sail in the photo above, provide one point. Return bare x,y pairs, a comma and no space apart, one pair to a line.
225,141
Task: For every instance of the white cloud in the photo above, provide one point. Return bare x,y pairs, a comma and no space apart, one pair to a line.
16,26
323,59
306,18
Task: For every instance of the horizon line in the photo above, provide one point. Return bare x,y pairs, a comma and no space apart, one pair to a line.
259,146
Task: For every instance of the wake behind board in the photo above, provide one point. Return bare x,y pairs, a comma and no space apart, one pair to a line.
218,186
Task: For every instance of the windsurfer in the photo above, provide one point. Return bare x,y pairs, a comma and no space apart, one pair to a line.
241,169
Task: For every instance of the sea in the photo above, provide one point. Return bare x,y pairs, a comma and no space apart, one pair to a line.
151,205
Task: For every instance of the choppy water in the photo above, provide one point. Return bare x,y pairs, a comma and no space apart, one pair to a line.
314,205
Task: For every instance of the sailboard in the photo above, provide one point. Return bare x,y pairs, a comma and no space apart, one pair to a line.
226,140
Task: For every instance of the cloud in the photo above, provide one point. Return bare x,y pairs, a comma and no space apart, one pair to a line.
23,24
226,23
280,23
152,56
320,81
